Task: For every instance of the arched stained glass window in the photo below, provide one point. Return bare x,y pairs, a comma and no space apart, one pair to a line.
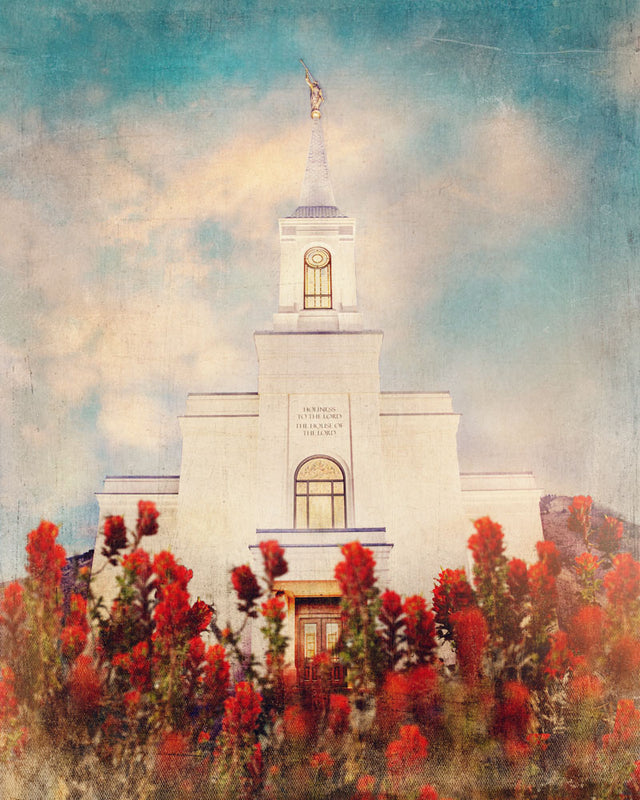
317,278
319,494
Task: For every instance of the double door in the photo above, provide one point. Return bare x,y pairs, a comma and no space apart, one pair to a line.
318,628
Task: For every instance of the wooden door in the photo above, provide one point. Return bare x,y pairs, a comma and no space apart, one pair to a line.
318,628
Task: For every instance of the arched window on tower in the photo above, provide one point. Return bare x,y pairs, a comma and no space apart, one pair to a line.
319,494
317,278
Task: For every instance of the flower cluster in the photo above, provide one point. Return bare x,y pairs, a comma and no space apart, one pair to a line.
407,752
451,594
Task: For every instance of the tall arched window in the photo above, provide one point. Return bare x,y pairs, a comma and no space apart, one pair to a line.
317,278
319,494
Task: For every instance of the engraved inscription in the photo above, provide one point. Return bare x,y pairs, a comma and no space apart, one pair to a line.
319,421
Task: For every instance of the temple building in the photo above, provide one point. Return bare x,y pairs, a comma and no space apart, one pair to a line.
319,456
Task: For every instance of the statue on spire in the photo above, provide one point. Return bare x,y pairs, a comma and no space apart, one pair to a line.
315,92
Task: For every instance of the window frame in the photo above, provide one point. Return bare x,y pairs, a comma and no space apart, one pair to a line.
317,289
308,495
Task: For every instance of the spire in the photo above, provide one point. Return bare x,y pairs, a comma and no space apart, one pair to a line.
316,195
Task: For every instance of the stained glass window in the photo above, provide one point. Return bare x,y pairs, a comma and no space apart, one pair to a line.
317,278
319,495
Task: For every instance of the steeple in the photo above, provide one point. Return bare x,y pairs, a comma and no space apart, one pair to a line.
316,195
317,256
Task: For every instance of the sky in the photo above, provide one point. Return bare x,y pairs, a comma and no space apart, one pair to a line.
489,152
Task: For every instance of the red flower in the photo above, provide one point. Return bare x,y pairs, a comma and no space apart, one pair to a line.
586,689
200,615
137,565
147,522
391,604
273,610
131,701
45,558
85,688
423,692
246,587
580,517
609,535
451,594
513,712
626,727
559,659
543,589
394,701
339,713
13,612
586,565
169,571
115,537
73,640
623,582
172,616
486,545
78,612
323,763
548,554
624,660
518,579
274,563
215,677
138,665
355,575
420,630
586,630
428,793
470,637
296,723
241,712
8,701
408,752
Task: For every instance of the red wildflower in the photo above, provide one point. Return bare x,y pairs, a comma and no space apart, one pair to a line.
172,616
423,692
517,579
73,640
241,712
200,615
171,758
428,793
586,564
115,538
355,575
13,612
586,689
622,583
273,610
486,545
586,631
408,752
420,630
137,565
138,665
131,701
470,637
538,741
204,736
147,522
394,701
365,783
246,587
323,763
548,553
543,589
255,765
513,712
85,688
390,618
296,723
45,558
78,612
8,701
215,677
274,562
451,594
580,517
633,784
339,713
624,661
391,604
626,727
560,658
169,571
609,535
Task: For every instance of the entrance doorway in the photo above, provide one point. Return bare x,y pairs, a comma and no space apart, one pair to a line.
318,628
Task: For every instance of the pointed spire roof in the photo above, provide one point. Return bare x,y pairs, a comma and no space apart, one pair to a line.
316,195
